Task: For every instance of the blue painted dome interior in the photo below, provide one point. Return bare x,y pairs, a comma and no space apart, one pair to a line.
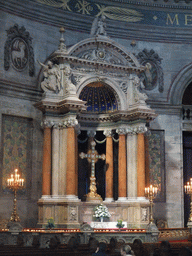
100,98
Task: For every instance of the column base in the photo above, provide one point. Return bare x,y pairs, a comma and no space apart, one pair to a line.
122,199
109,199
142,199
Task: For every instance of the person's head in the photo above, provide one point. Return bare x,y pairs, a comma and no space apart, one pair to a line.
137,243
102,247
165,245
165,248
50,64
93,244
126,249
113,242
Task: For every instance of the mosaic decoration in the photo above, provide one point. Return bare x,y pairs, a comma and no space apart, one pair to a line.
16,134
99,98
131,15
156,162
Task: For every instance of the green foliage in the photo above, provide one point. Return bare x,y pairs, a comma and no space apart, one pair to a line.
50,223
120,224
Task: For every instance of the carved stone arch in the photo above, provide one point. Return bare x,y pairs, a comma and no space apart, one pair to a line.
95,48
121,97
182,80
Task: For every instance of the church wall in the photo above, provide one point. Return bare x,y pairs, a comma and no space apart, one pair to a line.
45,40
27,200
171,124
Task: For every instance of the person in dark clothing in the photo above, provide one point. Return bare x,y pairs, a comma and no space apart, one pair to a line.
101,249
138,248
165,248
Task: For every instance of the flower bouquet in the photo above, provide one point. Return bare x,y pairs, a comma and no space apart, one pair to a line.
101,211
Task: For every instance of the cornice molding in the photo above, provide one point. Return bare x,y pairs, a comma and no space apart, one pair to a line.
60,107
19,90
82,22
118,116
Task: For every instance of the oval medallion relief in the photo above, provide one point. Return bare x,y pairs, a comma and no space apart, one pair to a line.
19,54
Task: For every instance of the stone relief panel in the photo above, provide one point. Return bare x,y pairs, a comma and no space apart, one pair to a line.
100,54
18,50
73,214
144,214
153,75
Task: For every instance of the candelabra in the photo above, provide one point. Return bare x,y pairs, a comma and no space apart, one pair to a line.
188,191
151,193
15,183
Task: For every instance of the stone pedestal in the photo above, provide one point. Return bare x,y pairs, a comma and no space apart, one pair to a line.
65,213
135,213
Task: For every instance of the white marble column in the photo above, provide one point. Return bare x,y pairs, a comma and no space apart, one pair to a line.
132,166
63,161
55,160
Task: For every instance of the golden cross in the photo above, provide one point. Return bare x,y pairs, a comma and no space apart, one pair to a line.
92,157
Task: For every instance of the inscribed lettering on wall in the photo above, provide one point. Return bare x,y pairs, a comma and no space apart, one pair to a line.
16,138
156,162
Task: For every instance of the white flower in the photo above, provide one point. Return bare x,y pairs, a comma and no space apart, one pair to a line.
101,211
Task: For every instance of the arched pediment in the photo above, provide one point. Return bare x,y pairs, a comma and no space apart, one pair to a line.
104,50
76,72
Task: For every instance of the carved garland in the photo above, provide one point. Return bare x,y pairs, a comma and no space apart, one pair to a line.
18,50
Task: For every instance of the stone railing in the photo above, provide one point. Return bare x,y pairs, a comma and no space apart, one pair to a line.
174,234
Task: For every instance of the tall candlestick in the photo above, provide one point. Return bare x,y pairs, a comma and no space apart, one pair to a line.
188,191
14,183
151,193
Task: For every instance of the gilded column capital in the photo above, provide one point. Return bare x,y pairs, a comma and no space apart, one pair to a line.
108,133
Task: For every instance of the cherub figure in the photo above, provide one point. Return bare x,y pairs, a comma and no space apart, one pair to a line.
70,87
139,97
52,77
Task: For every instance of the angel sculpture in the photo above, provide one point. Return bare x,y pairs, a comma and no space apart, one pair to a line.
139,97
99,26
70,87
52,77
